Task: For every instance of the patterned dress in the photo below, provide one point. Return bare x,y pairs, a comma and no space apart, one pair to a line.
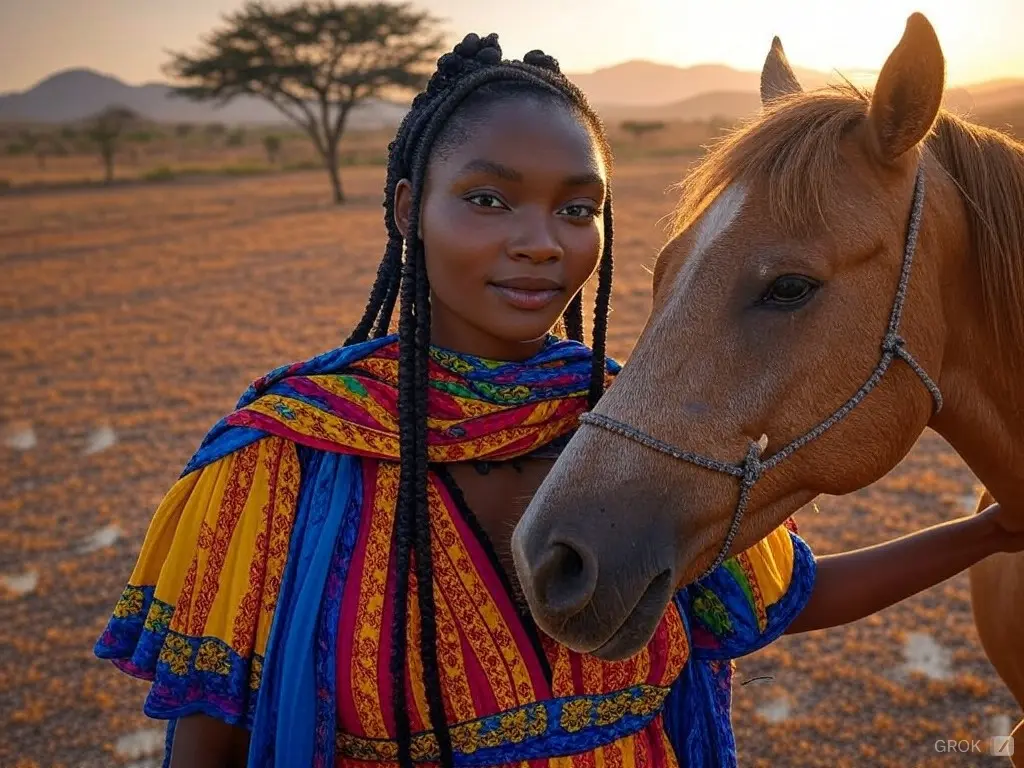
263,595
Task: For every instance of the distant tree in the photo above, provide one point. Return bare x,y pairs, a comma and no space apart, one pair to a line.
182,130
314,60
106,130
236,138
141,137
639,128
36,143
272,145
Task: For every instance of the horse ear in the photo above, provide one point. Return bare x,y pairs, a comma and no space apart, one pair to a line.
908,94
777,77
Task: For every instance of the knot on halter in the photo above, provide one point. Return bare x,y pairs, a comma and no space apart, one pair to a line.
893,343
752,465
896,346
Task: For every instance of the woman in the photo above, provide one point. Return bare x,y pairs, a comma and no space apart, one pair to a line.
330,579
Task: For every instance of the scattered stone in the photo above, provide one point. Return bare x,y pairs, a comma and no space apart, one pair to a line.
105,537
101,439
776,710
140,744
1001,725
19,584
924,655
20,436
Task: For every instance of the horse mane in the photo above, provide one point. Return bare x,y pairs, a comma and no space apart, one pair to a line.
793,147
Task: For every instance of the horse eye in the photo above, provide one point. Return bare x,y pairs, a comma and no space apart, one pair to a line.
790,291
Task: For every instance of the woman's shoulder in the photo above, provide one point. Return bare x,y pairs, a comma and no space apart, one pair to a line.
335,401
332,361
193,612
750,600
195,616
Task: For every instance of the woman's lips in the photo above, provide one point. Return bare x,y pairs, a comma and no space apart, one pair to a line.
529,293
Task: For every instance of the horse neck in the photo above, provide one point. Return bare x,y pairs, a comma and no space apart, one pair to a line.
982,376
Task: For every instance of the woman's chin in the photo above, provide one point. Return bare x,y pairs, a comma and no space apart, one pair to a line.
524,331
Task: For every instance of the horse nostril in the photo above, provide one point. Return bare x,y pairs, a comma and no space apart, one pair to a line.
566,579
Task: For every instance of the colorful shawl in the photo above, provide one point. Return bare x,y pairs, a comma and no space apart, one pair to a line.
263,593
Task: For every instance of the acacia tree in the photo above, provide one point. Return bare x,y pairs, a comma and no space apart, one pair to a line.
639,128
314,60
105,131
37,144
272,146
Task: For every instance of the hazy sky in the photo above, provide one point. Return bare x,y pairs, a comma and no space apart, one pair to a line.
127,38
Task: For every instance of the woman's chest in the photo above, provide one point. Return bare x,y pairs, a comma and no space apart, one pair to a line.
491,660
495,497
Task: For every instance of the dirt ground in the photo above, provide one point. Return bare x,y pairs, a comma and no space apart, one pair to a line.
131,320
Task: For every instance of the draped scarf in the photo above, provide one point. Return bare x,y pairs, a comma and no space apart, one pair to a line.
339,407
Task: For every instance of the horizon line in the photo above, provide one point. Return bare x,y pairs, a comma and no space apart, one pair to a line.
854,73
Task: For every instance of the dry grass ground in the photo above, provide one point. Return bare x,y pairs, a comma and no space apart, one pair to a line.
165,155
130,321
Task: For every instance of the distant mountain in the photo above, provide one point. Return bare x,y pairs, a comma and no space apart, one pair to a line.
76,94
975,102
646,83
728,105
631,90
994,97
79,93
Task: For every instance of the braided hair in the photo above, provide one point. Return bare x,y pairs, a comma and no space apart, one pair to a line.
468,78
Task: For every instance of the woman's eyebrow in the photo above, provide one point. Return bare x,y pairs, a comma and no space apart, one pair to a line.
492,168
584,179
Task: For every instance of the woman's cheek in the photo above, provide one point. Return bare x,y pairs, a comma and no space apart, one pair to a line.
583,256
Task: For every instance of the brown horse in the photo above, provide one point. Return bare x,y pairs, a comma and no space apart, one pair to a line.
812,314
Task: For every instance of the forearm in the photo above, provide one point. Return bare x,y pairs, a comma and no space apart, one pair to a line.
852,585
202,742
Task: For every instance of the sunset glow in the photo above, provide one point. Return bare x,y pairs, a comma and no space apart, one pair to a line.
129,39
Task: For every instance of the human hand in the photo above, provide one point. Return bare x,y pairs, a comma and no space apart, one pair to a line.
1007,522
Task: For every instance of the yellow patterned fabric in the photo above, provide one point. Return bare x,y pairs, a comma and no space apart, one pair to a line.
201,598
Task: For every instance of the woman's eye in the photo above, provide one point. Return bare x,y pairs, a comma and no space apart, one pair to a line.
486,200
790,291
579,211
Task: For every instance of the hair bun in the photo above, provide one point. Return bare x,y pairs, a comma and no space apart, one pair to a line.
450,64
537,58
469,46
470,54
484,50
490,50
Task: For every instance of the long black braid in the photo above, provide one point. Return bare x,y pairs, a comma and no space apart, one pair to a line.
472,75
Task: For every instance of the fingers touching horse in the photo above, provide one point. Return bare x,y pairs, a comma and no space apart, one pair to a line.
796,274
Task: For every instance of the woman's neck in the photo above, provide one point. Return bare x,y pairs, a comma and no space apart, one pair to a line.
464,338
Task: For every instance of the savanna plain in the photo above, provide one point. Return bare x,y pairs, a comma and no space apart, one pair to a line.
133,316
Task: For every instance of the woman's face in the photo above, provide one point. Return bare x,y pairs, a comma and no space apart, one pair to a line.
511,226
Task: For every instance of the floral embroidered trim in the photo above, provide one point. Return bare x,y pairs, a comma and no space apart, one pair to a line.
189,674
539,730
708,608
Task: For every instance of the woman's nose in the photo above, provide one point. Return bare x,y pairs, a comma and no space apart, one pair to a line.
536,240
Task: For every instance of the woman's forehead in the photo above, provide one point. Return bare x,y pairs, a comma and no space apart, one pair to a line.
526,133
